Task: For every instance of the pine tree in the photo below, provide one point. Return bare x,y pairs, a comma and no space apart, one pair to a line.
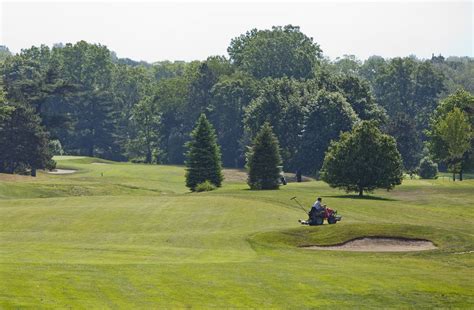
263,160
203,156
24,142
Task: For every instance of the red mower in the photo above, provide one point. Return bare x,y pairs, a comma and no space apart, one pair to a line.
317,217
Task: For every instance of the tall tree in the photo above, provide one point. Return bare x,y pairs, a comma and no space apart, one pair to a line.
409,144
409,86
230,97
347,65
464,101
130,87
95,109
458,72
203,161
280,103
4,53
358,94
202,81
263,160
33,78
326,117
451,139
145,120
363,160
372,68
279,52
24,141
167,69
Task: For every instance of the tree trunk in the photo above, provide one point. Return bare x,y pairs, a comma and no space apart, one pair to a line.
148,156
460,175
33,172
454,176
91,151
12,167
298,175
361,192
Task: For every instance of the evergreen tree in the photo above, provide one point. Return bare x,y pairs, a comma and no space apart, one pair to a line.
203,156
363,160
24,143
263,160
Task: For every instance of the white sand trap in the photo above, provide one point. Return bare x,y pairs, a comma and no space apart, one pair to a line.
379,245
100,164
62,171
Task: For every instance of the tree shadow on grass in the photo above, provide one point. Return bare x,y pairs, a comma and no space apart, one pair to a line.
361,198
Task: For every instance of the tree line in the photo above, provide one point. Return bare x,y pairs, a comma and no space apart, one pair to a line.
81,99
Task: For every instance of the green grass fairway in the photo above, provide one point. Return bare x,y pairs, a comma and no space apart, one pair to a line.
119,235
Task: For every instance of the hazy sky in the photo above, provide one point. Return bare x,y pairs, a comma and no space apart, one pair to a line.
180,30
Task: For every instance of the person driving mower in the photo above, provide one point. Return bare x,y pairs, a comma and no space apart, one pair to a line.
316,209
319,213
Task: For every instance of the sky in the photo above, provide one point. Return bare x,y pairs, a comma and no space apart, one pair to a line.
193,30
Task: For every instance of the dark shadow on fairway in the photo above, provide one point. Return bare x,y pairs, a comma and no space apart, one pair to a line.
361,198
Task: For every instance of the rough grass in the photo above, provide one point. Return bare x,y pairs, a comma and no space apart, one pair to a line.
131,236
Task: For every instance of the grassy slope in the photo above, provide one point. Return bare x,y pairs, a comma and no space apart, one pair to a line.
123,235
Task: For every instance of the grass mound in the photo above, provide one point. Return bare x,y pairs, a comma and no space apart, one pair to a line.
330,235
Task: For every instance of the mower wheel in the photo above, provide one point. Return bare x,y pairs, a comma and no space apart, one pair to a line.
319,221
332,220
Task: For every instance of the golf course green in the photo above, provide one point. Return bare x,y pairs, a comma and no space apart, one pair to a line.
122,235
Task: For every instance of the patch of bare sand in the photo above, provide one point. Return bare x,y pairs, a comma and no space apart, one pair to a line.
100,164
62,171
234,175
240,175
374,244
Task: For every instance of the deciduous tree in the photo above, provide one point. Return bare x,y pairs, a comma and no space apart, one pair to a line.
279,52
451,139
327,116
464,101
363,160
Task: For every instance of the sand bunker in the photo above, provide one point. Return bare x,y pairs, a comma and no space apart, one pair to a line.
100,164
62,171
374,244
240,175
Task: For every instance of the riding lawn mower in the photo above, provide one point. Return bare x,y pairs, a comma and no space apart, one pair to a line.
317,217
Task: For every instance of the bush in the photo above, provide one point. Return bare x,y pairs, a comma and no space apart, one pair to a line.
138,160
428,169
55,147
205,186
